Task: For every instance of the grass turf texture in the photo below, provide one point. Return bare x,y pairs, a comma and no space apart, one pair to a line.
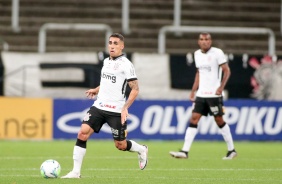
258,162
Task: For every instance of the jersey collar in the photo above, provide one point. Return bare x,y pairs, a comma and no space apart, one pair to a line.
114,58
206,51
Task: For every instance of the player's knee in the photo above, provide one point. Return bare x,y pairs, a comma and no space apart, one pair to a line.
220,124
82,136
219,121
120,146
84,132
194,121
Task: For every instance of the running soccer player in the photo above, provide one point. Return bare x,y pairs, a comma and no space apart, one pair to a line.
110,107
209,84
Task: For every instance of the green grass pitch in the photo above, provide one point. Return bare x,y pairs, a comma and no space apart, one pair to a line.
257,162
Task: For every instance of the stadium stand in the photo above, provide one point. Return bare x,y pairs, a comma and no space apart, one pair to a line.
146,19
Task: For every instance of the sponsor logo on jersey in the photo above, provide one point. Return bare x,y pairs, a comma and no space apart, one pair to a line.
110,106
109,77
107,105
207,92
205,67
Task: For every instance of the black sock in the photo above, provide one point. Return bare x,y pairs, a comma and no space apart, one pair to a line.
81,143
186,152
221,126
193,125
129,144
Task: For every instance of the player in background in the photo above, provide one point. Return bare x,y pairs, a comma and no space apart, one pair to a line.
111,106
208,86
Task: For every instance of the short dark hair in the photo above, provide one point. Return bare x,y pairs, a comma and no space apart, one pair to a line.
117,35
205,33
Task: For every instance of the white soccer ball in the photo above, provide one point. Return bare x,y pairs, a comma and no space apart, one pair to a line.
50,169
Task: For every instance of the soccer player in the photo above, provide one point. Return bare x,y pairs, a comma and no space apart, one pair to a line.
208,86
111,106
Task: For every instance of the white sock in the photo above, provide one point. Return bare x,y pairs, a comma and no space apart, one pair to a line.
189,138
135,147
225,131
78,155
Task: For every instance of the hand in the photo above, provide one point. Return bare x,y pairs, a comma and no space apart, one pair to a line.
219,91
124,114
192,96
91,93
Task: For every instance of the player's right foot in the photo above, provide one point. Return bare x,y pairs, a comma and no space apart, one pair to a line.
179,154
230,155
72,175
143,158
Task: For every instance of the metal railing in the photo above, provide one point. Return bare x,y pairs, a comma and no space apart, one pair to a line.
15,15
225,30
125,17
62,26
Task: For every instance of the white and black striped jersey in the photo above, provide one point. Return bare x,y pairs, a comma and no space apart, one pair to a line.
115,74
210,72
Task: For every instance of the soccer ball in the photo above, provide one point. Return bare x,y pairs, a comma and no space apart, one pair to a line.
50,169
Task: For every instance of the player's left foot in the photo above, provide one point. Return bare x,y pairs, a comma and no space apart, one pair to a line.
230,155
179,154
143,158
72,175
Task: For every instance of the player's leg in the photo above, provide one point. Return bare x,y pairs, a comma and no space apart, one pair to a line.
79,151
190,134
93,121
132,146
200,108
191,131
217,110
227,136
119,133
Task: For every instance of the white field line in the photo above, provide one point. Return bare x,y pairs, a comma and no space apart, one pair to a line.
132,157
152,169
168,178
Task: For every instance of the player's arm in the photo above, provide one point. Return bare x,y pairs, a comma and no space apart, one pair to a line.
226,74
132,96
195,86
91,93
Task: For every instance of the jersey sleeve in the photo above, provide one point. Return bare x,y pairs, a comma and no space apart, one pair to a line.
129,71
221,59
196,55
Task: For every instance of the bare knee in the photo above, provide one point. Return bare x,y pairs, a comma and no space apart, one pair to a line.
121,145
82,136
195,118
194,121
84,132
219,120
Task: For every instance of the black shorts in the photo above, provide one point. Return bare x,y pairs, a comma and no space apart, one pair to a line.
96,118
213,106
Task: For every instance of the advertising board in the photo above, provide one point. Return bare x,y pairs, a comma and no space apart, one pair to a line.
168,120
